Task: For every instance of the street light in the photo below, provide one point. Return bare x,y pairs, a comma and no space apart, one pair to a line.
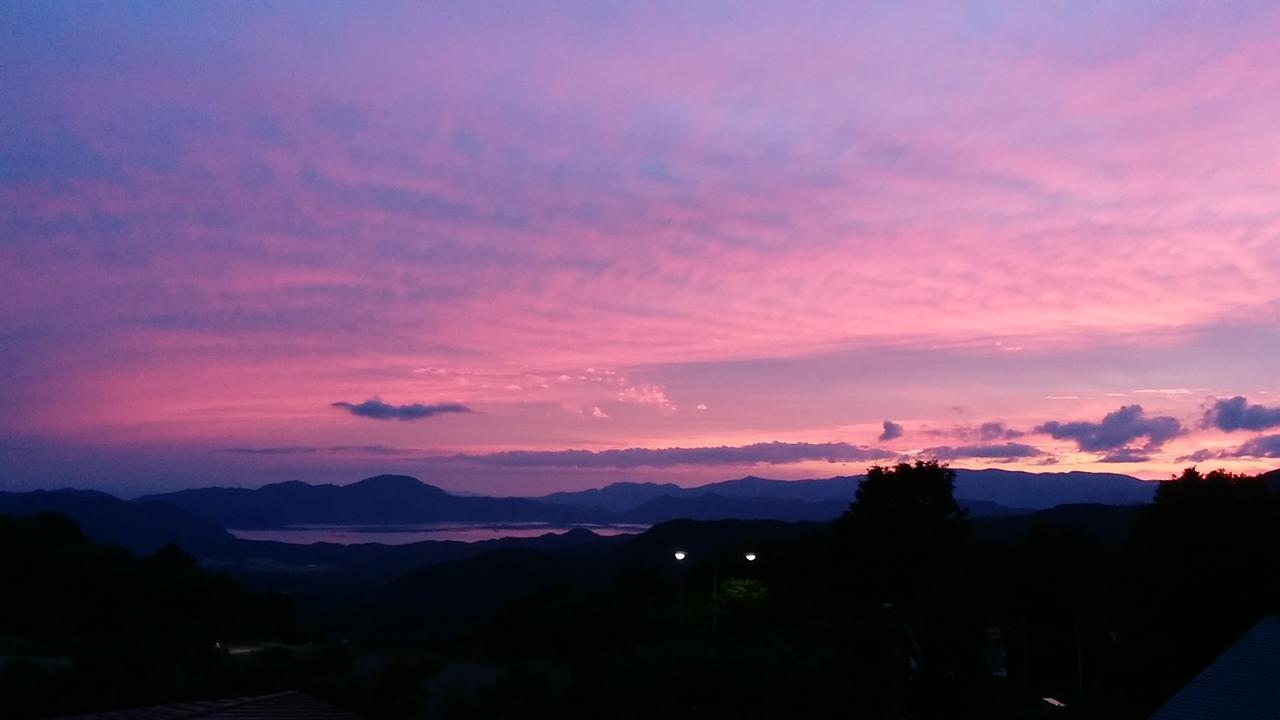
680,555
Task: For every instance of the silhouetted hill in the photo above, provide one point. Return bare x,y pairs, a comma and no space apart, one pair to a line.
1109,524
121,630
387,499
1018,489
702,539
377,500
615,497
438,598
984,492
297,568
145,526
625,496
983,508
654,547
712,506
481,583
820,490
142,527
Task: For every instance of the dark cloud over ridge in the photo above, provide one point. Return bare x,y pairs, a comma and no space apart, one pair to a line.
1116,430
375,409
1262,446
1237,414
996,430
892,431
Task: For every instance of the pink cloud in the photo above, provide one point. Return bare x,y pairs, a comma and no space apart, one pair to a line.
646,395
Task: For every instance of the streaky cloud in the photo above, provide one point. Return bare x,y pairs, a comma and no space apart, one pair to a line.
311,450
1125,455
292,450
768,453
1009,451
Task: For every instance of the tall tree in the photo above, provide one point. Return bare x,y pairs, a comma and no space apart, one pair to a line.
907,546
905,528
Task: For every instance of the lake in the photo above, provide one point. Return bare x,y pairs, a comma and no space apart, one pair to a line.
405,534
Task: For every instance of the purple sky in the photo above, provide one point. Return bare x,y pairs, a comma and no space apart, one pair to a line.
523,247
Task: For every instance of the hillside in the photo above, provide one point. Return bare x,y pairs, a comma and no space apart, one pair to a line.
376,500
988,491
142,526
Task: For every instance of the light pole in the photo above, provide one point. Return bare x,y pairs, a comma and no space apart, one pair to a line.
680,556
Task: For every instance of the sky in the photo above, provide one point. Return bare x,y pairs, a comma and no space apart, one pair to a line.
519,247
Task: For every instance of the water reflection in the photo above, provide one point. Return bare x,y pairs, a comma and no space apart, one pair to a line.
405,534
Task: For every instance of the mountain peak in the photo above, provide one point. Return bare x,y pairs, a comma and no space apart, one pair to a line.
392,482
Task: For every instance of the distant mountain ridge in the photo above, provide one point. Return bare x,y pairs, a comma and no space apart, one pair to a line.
713,506
987,491
390,499
614,497
197,518
140,526
1041,491
624,496
377,500
386,499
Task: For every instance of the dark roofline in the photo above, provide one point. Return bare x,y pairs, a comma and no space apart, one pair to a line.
1239,684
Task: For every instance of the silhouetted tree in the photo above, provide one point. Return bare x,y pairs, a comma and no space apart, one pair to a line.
907,545
905,529
1202,568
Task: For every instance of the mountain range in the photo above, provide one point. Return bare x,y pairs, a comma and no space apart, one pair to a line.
384,499
1005,504
142,526
984,492
391,499
197,519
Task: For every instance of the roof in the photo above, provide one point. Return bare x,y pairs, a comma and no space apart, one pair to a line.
281,706
1243,683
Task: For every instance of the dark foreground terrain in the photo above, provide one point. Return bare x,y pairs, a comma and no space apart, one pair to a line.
903,607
